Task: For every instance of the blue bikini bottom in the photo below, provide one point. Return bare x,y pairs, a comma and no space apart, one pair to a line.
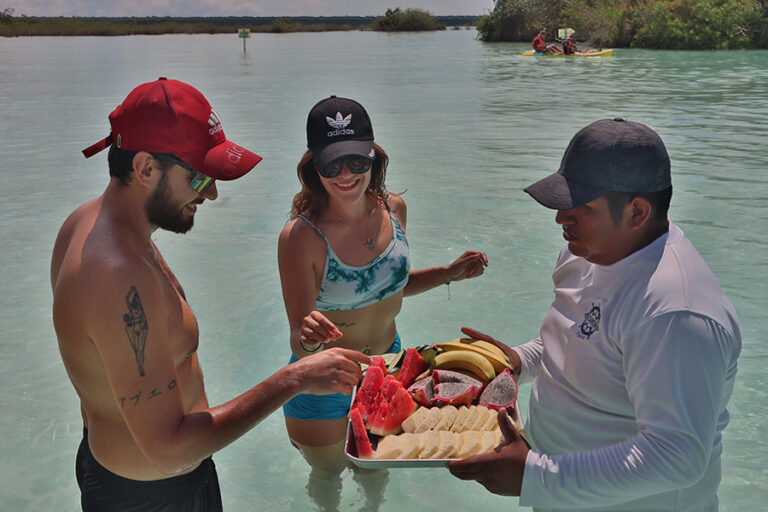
335,406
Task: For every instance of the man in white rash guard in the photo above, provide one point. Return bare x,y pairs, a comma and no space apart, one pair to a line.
637,356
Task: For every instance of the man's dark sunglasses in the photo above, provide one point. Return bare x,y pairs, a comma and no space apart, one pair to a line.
199,181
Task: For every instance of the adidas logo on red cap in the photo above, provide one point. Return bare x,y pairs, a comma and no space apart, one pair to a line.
234,154
214,122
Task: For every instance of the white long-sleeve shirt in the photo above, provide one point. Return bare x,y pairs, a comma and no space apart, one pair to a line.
632,373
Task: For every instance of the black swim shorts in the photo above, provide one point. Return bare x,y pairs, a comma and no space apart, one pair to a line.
102,491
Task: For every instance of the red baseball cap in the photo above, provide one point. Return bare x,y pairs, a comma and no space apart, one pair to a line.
169,116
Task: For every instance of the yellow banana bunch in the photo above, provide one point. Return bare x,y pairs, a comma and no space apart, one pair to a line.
468,360
490,347
493,354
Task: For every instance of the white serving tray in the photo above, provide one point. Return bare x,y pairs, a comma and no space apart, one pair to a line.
350,451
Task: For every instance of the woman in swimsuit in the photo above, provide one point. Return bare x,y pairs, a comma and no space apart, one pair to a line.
345,266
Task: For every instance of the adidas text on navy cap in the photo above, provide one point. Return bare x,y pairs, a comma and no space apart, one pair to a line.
608,155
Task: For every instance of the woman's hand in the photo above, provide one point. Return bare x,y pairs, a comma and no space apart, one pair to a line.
316,330
468,265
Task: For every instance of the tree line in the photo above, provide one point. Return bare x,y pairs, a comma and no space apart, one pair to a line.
669,24
393,20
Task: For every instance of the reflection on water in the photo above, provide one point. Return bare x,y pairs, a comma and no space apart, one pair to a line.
466,124
324,489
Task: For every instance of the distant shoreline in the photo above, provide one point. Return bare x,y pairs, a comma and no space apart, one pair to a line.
25,26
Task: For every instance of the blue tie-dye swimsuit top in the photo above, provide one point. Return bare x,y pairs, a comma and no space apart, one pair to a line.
345,287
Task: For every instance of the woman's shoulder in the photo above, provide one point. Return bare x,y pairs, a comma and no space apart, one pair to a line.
397,207
300,230
396,202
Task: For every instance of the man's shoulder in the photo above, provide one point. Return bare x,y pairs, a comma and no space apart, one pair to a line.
92,268
683,280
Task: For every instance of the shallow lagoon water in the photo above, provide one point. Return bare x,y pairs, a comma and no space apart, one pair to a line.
466,124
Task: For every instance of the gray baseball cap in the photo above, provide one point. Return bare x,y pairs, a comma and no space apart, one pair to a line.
608,155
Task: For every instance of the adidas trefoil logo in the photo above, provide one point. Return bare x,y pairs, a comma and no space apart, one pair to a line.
340,124
214,122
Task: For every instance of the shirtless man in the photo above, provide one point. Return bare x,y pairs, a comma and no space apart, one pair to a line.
126,334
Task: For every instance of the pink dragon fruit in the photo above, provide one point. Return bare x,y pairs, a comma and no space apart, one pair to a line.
422,391
441,376
454,393
501,392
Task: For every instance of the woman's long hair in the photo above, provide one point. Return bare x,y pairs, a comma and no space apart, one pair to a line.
313,198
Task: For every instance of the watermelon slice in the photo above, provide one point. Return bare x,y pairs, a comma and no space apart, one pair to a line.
369,388
413,366
390,408
388,389
379,361
362,442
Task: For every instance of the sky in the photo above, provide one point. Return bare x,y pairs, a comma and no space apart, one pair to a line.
239,7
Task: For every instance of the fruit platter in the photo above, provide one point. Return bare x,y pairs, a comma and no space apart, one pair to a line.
431,404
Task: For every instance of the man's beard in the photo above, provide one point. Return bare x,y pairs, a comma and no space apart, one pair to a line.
162,213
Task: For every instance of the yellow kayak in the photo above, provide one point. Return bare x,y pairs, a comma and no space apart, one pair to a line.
589,53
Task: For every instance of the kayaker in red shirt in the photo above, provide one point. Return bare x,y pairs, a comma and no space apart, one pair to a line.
540,44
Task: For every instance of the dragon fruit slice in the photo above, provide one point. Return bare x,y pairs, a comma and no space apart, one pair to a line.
441,376
422,391
501,392
453,393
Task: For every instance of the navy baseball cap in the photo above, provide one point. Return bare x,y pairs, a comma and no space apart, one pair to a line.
337,127
608,155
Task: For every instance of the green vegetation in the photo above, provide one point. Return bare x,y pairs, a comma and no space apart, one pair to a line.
703,24
286,25
61,26
409,19
81,26
395,20
671,24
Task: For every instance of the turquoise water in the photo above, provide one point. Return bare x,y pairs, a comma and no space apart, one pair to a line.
467,125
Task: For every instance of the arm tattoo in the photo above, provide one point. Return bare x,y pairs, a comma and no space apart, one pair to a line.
149,396
136,326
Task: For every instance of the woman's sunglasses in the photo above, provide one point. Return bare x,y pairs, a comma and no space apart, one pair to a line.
356,165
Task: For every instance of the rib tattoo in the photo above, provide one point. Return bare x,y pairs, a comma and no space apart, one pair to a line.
136,326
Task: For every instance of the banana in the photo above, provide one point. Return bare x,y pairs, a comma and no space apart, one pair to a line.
490,347
499,362
469,360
